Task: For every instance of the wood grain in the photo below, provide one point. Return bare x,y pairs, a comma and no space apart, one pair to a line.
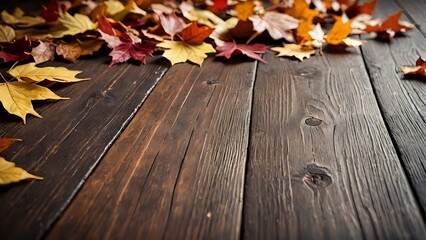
66,145
321,163
402,100
177,171
414,9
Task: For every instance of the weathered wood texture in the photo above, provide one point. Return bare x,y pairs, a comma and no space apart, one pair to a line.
415,9
66,145
402,100
321,163
177,171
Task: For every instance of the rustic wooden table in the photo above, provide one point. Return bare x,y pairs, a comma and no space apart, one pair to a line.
330,148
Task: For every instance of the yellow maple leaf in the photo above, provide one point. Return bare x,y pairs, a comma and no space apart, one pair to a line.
30,73
179,51
9,173
202,17
18,18
7,34
73,25
16,97
294,50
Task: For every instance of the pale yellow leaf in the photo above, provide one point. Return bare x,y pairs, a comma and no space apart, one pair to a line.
9,173
30,73
294,50
7,34
16,97
203,17
179,51
131,7
114,7
18,18
73,25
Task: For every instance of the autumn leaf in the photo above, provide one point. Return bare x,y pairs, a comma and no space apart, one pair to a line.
7,34
131,7
338,35
228,49
44,52
51,12
196,35
391,26
172,24
127,46
18,18
6,142
180,51
279,25
419,69
73,25
17,51
218,5
30,73
113,7
355,9
301,10
294,50
245,10
16,97
9,173
76,48
203,17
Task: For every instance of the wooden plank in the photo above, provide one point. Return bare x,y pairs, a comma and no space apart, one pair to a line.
402,100
177,171
321,163
67,144
414,9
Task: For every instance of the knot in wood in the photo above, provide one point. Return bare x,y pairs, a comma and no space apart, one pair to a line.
316,177
311,121
212,82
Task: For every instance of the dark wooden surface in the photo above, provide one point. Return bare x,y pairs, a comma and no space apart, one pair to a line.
183,169
66,145
333,147
402,99
318,156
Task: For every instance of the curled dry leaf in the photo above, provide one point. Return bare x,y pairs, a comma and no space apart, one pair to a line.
228,49
76,48
294,50
44,52
16,97
6,142
278,25
180,51
419,69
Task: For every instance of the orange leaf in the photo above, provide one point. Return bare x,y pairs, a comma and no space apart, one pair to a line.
301,10
390,26
339,32
244,10
356,9
196,35
305,26
6,142
419,69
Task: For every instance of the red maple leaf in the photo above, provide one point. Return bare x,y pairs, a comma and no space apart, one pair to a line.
105,26
228,49
196,35
355,9
51,12
127,46
218,6
17,51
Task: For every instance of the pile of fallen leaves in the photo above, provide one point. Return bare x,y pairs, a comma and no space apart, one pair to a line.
185,31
